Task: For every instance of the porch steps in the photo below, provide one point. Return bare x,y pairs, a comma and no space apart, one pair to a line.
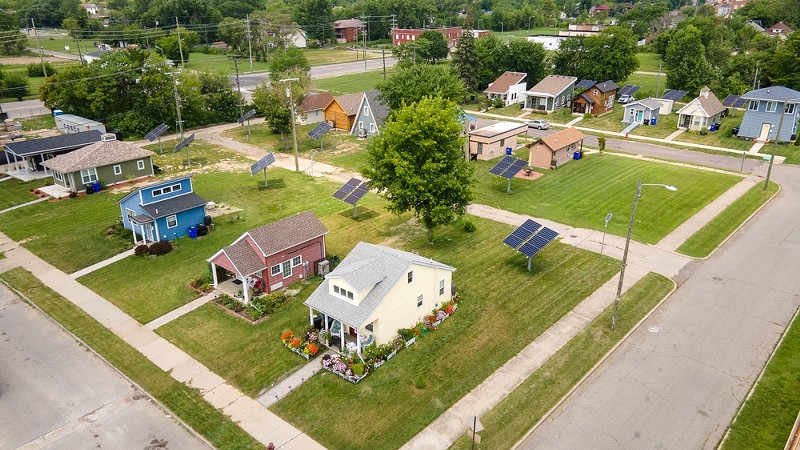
630,128
298,377
38,200
101,264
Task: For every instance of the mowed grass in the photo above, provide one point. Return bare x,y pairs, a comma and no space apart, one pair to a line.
348,84
581,193
766,419
665,125
44,122
611,121
181,400
648,84
508,422
504,308
648,62
705,240
15,192
288,193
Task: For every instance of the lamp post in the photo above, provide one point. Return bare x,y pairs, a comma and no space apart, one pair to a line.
502,27
294,131
605,227
628,243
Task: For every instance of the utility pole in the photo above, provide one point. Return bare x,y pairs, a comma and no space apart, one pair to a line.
249,43
288,82
364,32
180,46
238,86
658,78
383,55
78,43
177,98
39,44
755,77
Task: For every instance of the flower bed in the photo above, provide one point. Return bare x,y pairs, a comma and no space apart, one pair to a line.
258,308
307,345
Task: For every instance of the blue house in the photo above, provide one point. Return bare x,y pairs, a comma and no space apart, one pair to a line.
771,114
372,112
162,211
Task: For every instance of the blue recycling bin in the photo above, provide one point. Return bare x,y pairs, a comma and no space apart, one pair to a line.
576,155
96,186
193,232
509,150
653,121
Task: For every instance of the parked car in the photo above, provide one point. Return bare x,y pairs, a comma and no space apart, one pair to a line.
539,124
625,99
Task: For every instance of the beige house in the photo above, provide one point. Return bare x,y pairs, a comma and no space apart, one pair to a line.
555,149
491,141
702,112
376,291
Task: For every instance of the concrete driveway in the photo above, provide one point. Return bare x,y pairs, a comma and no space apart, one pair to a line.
56,394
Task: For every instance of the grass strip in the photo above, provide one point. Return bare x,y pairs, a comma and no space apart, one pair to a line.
507,422
181,400
767,417
705,240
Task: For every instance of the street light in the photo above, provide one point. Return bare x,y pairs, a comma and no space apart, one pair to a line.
628,243
294,131
605,227
502,27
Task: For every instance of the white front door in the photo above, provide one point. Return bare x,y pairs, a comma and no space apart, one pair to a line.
149,232
764,132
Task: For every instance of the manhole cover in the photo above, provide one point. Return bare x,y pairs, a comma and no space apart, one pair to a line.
654,329
717,278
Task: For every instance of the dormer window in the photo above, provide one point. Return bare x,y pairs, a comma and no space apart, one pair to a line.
343,292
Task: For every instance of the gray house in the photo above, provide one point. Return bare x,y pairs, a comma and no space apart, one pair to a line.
771,114
642,112
553,92
702,112
372,112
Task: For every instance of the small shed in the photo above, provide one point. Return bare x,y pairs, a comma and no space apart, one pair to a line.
642,112
491,141
555,149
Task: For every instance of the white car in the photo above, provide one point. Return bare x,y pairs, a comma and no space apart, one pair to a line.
625,99
539,124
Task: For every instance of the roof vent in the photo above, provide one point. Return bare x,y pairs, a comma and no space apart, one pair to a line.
105,137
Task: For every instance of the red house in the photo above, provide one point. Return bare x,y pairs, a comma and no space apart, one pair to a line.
406,35
270,257
348,30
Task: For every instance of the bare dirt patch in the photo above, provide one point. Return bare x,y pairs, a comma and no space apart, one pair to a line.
29,59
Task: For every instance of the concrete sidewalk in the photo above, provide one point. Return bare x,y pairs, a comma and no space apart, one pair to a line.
254,418
101,264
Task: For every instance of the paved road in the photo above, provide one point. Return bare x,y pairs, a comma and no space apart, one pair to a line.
678,381
250,81
25,108
55,394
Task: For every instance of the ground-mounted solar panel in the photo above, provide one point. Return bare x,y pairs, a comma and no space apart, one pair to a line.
319,130
156,132
740,102
514,168
634,89
585,84
521,234
674,94
730,100
624,90
501,166
246,116
262,163
347,189
357,194
184,143
537,242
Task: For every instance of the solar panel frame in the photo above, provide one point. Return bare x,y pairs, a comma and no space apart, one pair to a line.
262,163
522,234
730,100
535,244
359,193
156,132
346,189
585,84
320,130
501,166
634,89
246,116
514,168
739,103
624,89
674,94
184,143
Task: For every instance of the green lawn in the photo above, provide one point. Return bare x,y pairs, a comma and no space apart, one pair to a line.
15,192
648,62
511,110
766,420
666,125
581,193
44,122
508,422
203,157
524,32
791,152
648,84
182,401
705,240
609,122
504,308
719,138
348,84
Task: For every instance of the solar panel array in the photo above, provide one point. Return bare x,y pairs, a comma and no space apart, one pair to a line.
508,167
262,163
319,130
357,194
527,241
184,143
246,116
629,89
585,84
674,94
352,191
734,101
156,132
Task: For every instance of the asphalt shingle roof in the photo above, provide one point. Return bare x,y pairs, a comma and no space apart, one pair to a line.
648,102
563,138
379,109
99,154
350,102
315,101
606,86
244,258
505,81
49,144
367,265
348,23
780,93
552,84
173,205
278,236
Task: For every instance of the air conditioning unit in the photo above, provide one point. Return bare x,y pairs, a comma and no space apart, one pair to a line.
323,267
362,133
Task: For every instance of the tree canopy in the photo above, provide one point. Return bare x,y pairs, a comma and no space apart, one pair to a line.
466,60
611,55
432,46
411,83
418,164
685,58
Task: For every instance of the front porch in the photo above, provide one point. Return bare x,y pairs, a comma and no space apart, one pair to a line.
26,174
344,337
56,191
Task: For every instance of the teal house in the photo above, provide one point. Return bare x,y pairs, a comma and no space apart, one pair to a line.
163,211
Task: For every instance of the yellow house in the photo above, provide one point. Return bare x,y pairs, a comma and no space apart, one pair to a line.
376,291
491,141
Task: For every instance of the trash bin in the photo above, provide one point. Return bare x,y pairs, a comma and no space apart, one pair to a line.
576,155
96,186
89,188
509,150
193,232
653,121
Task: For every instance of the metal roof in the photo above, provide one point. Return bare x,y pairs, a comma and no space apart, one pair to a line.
54,143
173,205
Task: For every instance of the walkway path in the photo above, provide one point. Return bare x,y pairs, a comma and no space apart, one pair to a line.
756,148
101,264
254,418
572,122
674,134
182,311
451,424
298,377
33,202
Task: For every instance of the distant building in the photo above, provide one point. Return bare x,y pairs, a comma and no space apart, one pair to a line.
347,30
451,34
779,30
90,8
509,87
582,30
548,42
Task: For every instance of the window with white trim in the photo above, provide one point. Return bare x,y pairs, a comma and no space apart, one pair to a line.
297,260
140,164
166,190
172,221
441,287
58,176
129,213
360,125
366,111
117,170
419,301
789,109
772,106
275,270
753,105
410,276
286,268
89,175
373,128
343,292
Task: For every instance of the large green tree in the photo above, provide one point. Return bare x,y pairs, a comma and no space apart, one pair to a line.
271,101
417,163
466,60
611,55
288,59
411,83
685,59
785,63
315,16
526,57
432,46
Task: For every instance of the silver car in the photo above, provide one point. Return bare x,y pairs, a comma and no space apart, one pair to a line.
539,124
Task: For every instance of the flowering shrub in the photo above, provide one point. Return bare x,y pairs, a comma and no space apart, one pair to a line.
308,346
295,343
449,309
441,315
345,366
286,336
311,349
